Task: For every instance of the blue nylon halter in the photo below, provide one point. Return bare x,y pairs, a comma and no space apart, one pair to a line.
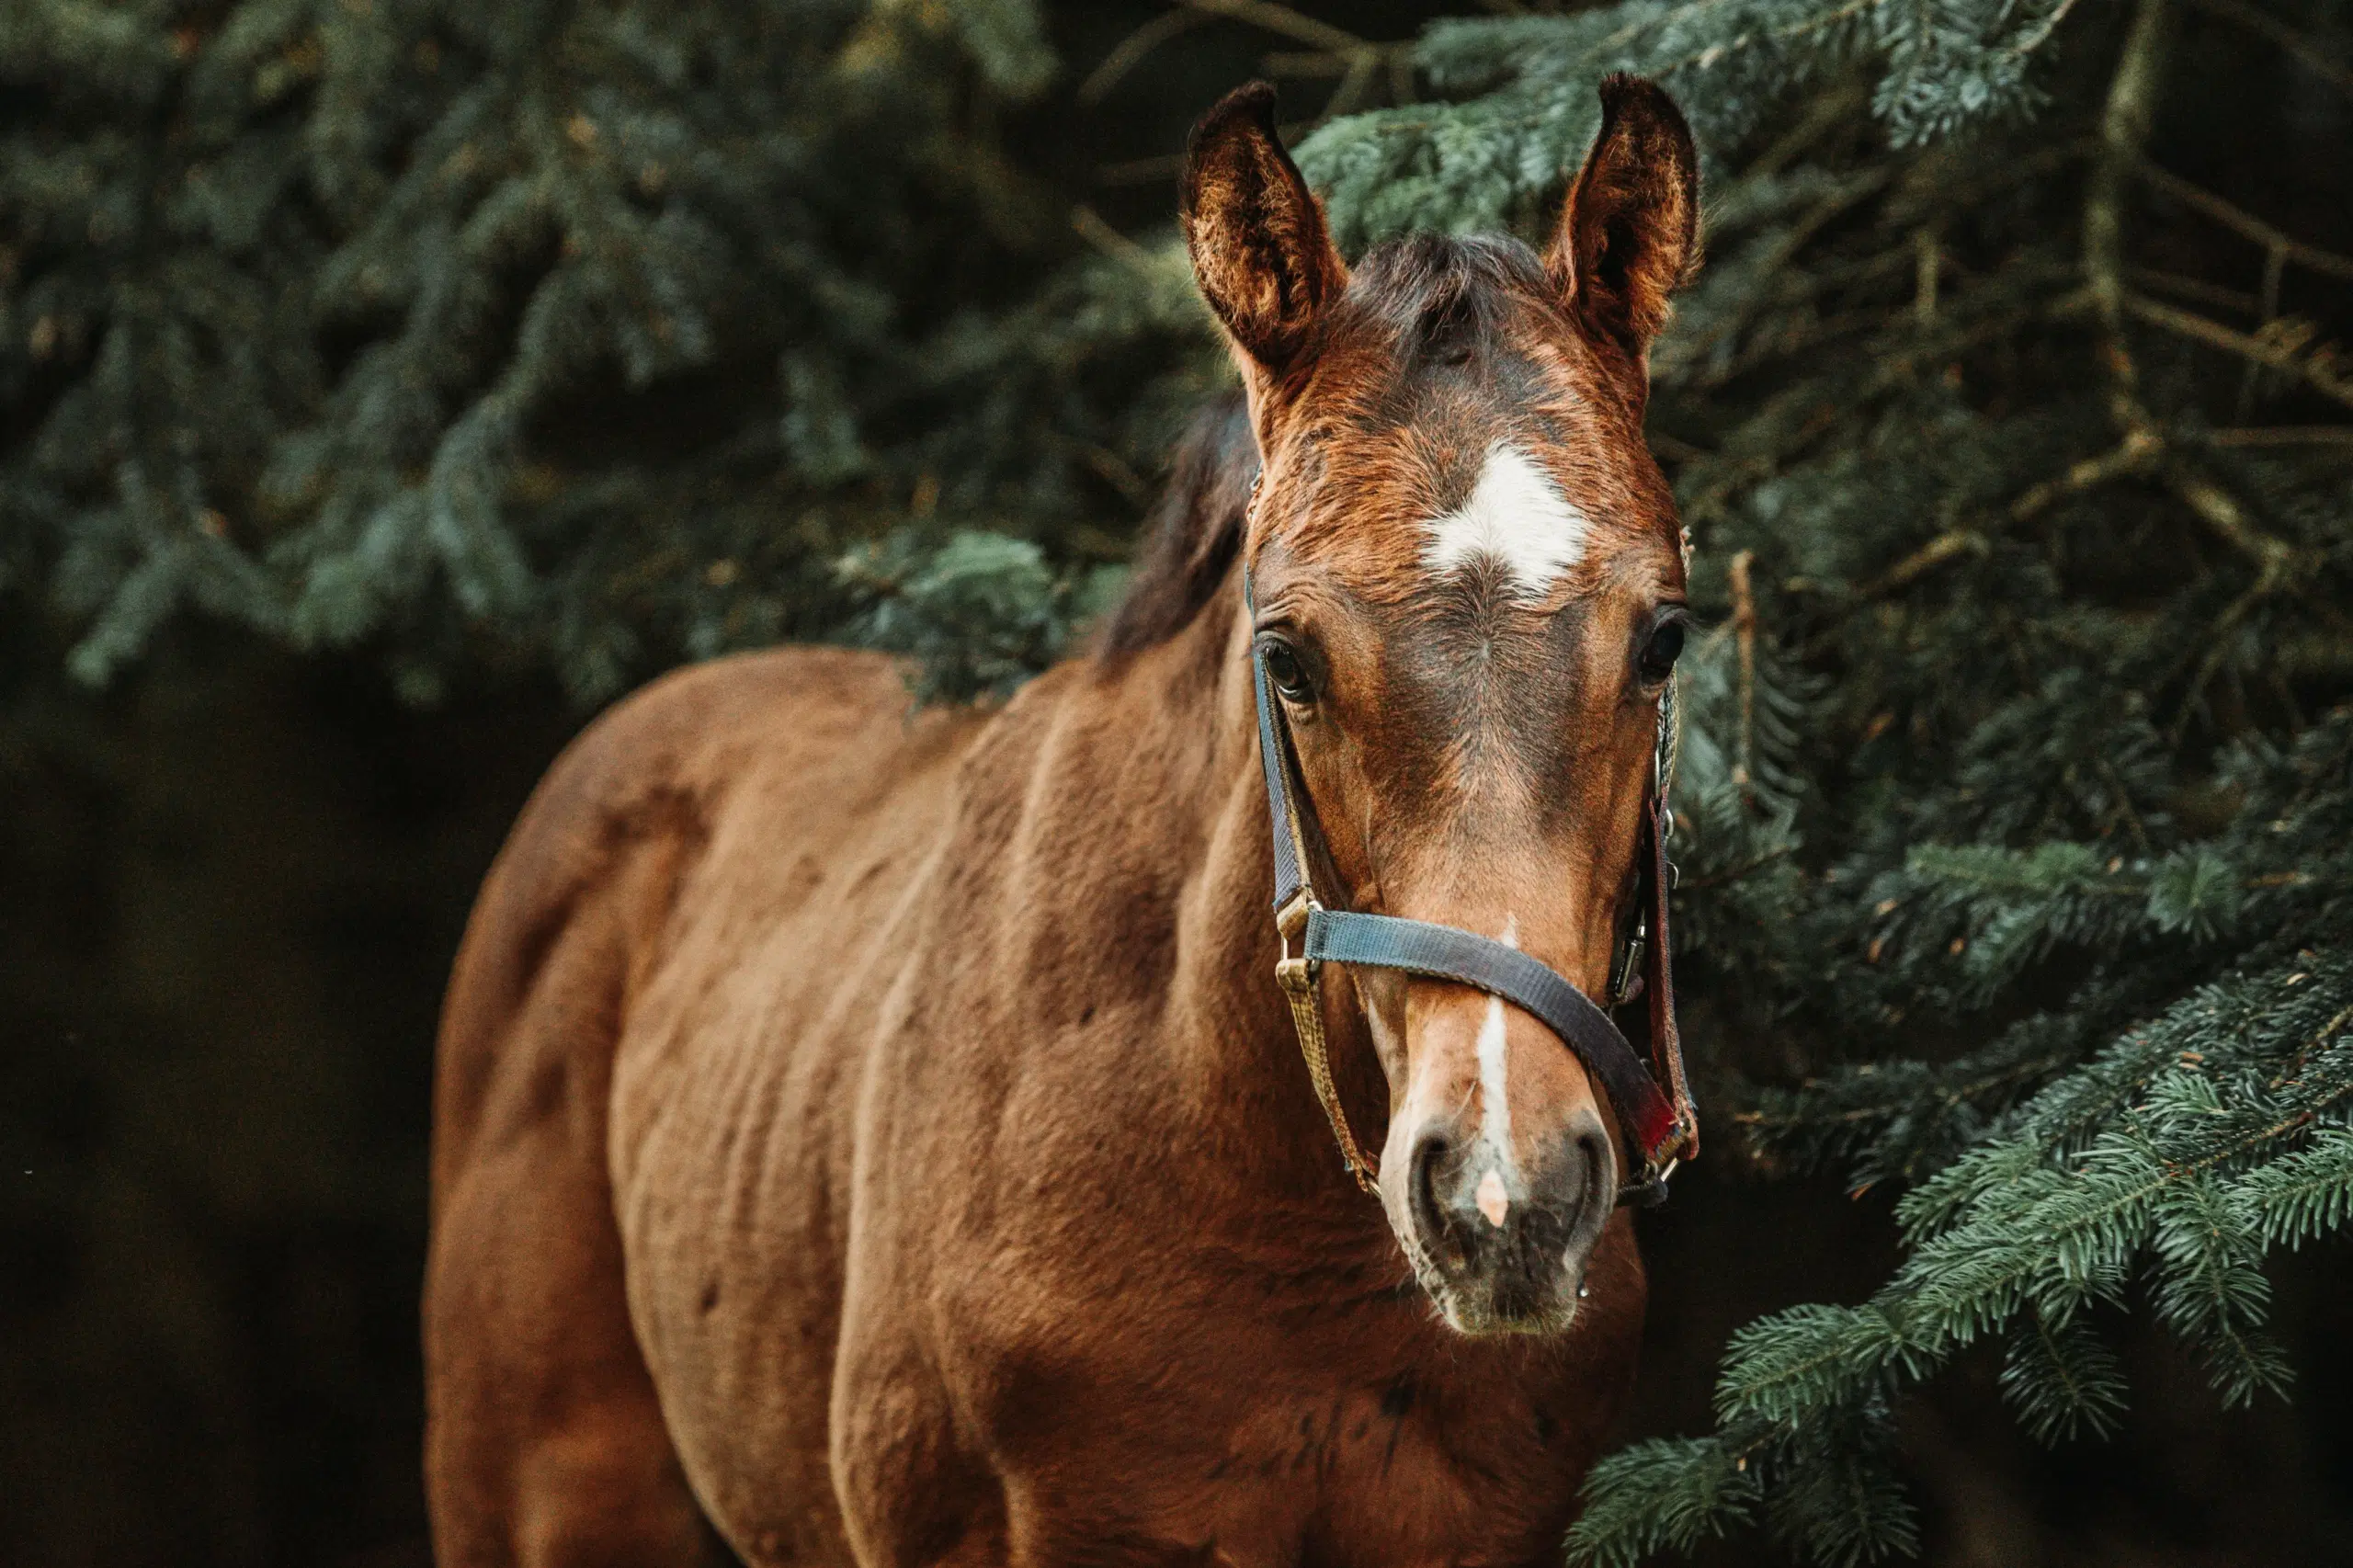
1655,1125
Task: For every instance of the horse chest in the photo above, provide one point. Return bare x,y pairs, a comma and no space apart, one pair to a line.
1363,1436
1411,1472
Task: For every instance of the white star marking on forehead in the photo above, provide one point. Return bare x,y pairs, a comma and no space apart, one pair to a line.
1516,518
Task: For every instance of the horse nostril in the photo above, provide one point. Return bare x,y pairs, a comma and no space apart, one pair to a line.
1596,1186
1429,1216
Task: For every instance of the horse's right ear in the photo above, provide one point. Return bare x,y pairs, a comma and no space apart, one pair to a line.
1261,254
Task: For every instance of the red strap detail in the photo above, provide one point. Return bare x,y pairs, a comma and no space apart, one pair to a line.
1658,979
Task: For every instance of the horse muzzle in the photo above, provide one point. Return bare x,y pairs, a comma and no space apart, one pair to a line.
1501,1245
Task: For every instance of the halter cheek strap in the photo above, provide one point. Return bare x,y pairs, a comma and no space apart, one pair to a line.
1660,1125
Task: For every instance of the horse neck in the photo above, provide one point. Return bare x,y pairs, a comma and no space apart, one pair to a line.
1227,1037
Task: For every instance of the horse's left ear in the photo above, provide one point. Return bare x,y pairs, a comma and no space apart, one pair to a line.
1630,233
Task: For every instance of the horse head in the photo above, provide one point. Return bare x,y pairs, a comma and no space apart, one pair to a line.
1467,595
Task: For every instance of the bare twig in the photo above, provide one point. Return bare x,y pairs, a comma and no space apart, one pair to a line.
2220,510
2284,436
1304,62
1333,51
2196,289
2124,130
2218,646
2305,52
1792,339
2279,566
1744,626
1901,363
2274,268
1354,84
2317,368
1141,171
2135,454
2033,38
1401,74
1923,194
1675,449
2278,242
1116,471
1823,115
1945,547
1133,50
1106,239
1818,216
1928,264
1288,23
1314,63
1168,166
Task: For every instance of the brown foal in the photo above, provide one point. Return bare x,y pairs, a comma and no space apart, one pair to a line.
876,1141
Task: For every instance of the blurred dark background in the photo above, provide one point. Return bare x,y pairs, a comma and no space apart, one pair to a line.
232,880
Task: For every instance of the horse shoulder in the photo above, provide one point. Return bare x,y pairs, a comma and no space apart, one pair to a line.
576,907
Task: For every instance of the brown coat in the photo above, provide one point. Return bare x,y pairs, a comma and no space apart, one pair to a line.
962,1157
879,1131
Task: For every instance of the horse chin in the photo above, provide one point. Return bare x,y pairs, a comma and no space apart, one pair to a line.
1480,1309
1477,1314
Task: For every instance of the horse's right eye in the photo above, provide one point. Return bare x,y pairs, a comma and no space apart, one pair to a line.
1282,668
1666,645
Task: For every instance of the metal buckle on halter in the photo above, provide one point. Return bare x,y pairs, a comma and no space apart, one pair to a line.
1291,924
1624,984
1651,1191
1625,977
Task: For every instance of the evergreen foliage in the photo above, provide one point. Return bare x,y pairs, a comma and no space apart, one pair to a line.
2021,732
307,309
2018,777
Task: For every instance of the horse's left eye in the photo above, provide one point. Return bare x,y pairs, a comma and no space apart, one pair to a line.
1283,669
1666,645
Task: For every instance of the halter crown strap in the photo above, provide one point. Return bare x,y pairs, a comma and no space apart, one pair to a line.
1661,1124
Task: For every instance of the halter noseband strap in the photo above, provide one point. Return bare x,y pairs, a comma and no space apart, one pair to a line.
1659,1123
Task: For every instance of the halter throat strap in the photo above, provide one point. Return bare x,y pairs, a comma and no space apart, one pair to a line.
1659,1123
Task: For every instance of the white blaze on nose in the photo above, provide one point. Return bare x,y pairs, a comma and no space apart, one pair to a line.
1492,1202
1495,1097
1516,517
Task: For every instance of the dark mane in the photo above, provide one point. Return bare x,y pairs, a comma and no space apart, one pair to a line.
1194,532
1444,294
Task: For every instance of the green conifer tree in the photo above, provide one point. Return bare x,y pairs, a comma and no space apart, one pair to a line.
591,334
2016,462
